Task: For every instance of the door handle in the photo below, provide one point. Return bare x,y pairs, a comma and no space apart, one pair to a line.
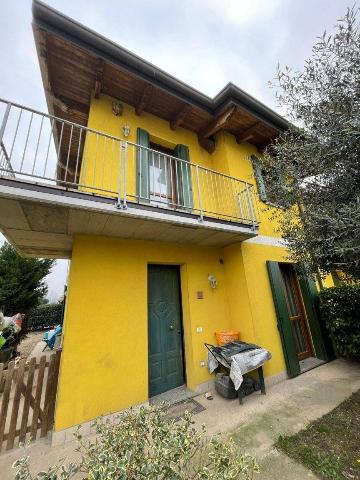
171,327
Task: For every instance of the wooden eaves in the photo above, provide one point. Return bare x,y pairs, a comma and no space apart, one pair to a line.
77,64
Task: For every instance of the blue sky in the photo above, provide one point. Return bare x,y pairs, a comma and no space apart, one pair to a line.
205,43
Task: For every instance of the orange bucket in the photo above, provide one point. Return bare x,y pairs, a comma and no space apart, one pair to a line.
226,336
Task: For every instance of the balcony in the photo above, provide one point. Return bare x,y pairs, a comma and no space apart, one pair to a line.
58,179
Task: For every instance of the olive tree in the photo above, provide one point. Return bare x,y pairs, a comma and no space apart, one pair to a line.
312,170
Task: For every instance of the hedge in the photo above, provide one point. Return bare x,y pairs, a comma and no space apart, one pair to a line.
45,316
340,310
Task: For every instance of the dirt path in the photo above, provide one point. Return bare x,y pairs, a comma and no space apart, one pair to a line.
28,343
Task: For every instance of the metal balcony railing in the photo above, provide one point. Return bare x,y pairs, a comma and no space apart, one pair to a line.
48,150
5,164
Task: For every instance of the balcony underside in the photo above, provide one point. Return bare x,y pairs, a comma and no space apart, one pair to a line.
41,221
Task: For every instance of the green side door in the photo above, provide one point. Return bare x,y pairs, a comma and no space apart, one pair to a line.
166,367
321,341
283,323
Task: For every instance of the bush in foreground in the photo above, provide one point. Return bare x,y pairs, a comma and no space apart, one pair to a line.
146,444
340,310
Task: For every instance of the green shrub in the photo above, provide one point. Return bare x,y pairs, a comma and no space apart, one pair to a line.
145,443
340,310
45,316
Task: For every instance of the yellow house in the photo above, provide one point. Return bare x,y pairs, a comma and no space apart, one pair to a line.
153,190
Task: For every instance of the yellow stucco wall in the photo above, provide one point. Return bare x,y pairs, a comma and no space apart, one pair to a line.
107,301
250,298
107,316
103,165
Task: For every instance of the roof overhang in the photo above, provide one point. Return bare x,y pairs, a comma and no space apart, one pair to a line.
77,63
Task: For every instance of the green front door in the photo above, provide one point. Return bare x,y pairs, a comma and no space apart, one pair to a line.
166,367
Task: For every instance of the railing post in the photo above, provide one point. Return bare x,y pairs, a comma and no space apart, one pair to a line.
199,193
125,173
251,207
4,121
240,205
118,202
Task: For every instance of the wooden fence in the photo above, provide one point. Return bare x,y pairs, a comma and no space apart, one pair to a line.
27,399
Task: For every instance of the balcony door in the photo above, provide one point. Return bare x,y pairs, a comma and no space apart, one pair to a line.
163,175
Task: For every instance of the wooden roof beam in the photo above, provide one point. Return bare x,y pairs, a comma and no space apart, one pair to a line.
207,144
99,74
180,116
218,123
247,134
57,101
67,105
261,148
144,100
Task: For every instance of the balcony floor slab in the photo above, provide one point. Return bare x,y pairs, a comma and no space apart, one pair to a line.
41,221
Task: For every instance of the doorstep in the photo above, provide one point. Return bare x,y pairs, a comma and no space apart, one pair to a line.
310,363
175,395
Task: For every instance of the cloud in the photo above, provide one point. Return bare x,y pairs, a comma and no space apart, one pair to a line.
244,12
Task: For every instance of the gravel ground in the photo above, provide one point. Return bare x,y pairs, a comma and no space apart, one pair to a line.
28,343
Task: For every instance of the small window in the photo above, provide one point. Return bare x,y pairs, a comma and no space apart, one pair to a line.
262,182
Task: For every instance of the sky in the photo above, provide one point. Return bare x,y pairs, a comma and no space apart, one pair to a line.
205,43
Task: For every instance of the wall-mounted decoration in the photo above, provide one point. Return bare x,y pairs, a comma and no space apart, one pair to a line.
117,109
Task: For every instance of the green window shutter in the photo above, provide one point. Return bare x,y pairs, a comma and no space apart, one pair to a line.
319,335
185,191
335,278
143,180
283,321
259,178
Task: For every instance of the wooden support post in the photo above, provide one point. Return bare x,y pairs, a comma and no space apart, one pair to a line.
99,73
207,144
247,134
15,406
144,100
180,116
36,407
27,399
218,123
5,400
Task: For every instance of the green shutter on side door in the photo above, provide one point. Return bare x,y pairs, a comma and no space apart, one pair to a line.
283,321
143,180
260,183
310,299
185,193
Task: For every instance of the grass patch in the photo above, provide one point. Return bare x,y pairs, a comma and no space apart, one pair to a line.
330,446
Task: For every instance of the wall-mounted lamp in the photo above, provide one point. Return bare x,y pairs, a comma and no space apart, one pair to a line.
126,130
212,281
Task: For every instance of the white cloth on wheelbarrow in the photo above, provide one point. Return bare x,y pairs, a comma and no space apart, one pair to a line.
241,363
